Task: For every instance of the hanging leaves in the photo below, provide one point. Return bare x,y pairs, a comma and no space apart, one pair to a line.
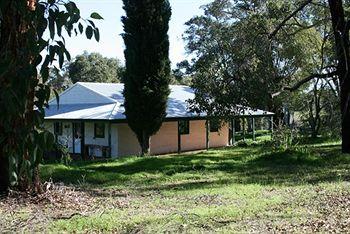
95,15
89,32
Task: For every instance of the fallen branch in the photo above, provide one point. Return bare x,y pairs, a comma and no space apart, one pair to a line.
307,79
70,216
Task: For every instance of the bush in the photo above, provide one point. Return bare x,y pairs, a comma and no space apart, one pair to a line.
284,137
242,143
64,151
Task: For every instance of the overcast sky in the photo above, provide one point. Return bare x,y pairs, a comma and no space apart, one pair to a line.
111,43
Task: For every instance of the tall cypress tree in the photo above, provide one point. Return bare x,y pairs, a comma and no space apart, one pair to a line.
147,75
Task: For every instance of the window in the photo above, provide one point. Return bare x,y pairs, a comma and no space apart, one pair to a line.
184,127
57,128
99,130
214,125
77,130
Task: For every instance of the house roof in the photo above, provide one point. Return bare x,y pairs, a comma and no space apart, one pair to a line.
104,101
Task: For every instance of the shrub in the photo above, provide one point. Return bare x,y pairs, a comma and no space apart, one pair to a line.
284,137
64,152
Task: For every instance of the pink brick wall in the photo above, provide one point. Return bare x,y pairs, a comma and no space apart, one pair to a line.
127,141
219,139
166,139
197,137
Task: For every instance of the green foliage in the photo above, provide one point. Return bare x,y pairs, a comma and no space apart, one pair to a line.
242,143
95,15
23,96
317,110
95,68
65,155
237,63
147,74
284,137
59,80
182,73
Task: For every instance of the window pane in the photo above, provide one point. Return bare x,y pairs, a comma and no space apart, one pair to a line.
58,128
214,125
99,130
77,130
184,127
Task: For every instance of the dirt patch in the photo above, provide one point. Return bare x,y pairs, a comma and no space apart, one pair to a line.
24,212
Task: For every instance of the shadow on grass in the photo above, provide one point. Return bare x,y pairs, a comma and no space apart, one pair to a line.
253,165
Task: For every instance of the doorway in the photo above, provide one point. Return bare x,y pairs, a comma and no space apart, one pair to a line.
78,137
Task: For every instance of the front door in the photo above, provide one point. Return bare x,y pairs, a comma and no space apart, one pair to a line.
77,136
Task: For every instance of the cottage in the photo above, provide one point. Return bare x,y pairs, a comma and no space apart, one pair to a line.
90,120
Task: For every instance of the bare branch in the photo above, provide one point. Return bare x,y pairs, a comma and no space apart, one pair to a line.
274,32
304,81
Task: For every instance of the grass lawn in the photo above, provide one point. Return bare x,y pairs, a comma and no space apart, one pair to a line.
251,189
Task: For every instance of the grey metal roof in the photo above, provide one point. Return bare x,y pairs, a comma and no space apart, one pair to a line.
104,101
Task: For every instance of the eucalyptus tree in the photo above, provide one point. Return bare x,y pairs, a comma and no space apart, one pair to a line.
339,35
26,53
235,61
275,27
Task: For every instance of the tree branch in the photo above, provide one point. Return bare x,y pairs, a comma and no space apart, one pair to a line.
303,81
280,25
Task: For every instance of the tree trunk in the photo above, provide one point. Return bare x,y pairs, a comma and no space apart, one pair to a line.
346,132
145,144
341,33
4,176
17,32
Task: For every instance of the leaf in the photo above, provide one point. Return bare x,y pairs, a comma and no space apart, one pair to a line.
42,44
57,97
81,28
42,25
59,28
97,34
44,73
61,57
92,23
67,54
89,32
52,53
52,27
71,7
38,60
96,15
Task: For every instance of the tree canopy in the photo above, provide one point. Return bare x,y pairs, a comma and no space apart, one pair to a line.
246,52
235,62
94,67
